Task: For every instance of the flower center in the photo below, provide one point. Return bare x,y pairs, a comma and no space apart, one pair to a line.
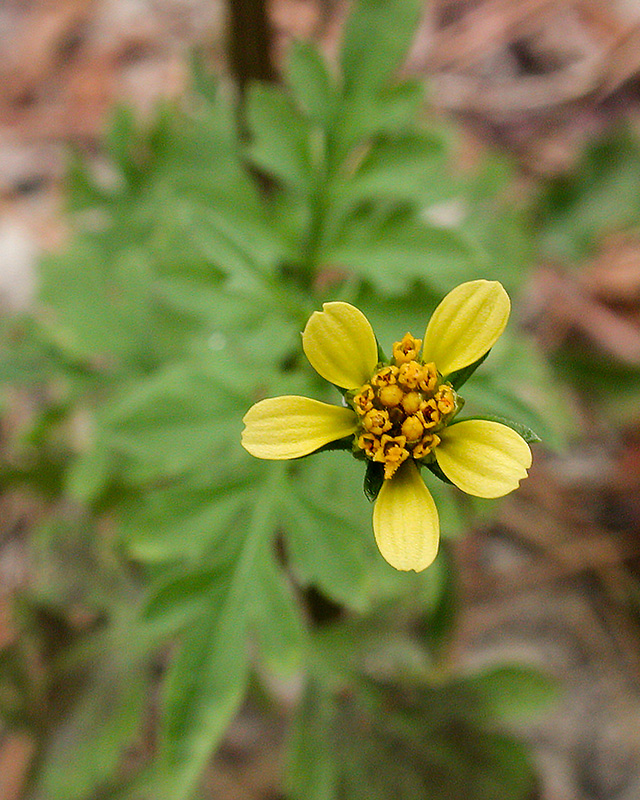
402,408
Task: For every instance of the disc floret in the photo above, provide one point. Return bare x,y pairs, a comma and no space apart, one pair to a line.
401,409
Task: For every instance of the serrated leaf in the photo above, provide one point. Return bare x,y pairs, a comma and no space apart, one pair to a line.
376,38
329,548
394,169
187,520
392,254
513,691
361,119
177,418
280,136
276,618
310,82
106,717
207,680
205,686
311,769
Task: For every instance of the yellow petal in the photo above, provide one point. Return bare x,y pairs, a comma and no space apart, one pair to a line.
483,458
290,427
466,324
340,345
405,520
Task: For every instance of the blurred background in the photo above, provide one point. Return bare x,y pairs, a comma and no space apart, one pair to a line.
182,182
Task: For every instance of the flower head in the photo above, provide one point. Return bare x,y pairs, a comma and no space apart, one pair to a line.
401,414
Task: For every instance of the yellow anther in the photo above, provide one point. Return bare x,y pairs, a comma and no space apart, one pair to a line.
429,379
390,395
385,377
429,414
412,428
445,399
410,374
407,349
429,441
369,443
363,401
412,402
377,421
392,453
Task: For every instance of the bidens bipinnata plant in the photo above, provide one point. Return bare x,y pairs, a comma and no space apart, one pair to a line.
401,414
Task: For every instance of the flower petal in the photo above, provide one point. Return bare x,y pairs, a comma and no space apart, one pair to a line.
482,457
405,520
290,427
466,324
340,345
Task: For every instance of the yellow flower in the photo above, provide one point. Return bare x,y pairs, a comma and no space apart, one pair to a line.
389,408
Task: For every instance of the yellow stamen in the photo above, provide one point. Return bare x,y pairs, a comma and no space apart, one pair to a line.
377,421
369,443
429,441
410,375
412,402
412,428
407,349
363,401
390,395
385,377
429,414
392,453
429,379
445,399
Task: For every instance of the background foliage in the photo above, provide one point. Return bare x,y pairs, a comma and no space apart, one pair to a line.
202,572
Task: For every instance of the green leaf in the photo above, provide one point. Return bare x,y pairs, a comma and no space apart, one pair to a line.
371,740
438,624
329,547
205,687
375,40
182,593
89,475
177,418
514,691
206,682
395,252
311,769
393,169
84,756
280,136
276,618
308,77
363,118
189,519
599,196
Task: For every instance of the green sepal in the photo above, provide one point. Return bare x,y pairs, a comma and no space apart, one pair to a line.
530,437
343,392
382,359
373,479
461,376
339,444
435,468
